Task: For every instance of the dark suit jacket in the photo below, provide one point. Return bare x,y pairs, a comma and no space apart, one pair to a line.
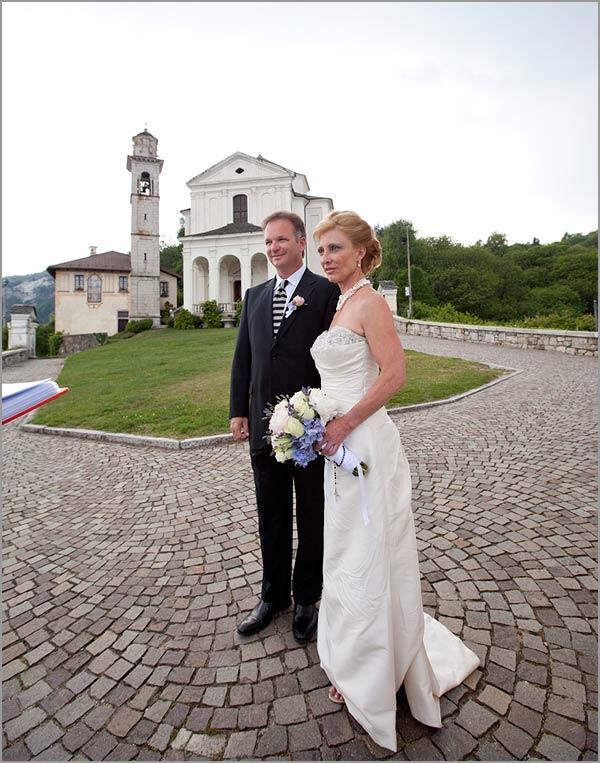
264,368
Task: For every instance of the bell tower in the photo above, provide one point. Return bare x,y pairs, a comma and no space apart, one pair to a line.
145,169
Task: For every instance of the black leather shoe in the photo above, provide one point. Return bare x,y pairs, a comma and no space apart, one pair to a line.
305,621
259,618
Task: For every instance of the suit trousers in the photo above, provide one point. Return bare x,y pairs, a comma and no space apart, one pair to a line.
275,483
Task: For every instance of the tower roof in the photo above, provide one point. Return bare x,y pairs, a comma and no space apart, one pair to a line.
146,133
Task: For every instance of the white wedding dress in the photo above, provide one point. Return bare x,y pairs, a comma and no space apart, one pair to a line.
373,635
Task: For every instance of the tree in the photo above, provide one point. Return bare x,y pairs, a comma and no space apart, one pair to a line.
497,243
171,258
393,249
578,269
550,299
493,281
421,288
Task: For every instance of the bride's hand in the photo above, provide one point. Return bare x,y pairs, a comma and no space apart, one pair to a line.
335,433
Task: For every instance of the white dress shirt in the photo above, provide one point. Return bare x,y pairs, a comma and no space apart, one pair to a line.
291,286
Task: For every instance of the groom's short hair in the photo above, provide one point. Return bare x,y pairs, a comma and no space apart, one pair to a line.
291,217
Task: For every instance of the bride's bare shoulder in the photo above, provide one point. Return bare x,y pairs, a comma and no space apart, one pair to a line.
372,300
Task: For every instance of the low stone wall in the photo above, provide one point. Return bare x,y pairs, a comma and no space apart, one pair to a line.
569,342
72,343
12,357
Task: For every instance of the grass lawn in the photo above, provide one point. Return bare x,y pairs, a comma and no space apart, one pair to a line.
171,383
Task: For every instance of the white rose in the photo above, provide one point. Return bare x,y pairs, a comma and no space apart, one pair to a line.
283,448
301,405
279,418
294,427
325,407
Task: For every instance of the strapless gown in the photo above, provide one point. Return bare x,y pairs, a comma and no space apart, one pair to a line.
373,636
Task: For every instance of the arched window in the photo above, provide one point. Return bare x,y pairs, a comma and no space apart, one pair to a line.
240,208
94,289
145,184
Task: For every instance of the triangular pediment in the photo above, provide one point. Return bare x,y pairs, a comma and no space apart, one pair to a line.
243,167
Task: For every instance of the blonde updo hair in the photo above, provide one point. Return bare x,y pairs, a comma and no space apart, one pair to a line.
360,234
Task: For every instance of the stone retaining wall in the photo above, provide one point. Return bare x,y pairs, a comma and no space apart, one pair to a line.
12,357
570,342
72,343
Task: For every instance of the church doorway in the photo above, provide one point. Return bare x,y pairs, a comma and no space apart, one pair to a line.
230,280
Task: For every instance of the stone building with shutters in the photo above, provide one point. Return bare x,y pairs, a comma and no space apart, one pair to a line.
223,243
102,292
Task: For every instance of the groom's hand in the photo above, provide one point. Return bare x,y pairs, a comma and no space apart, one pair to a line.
239,428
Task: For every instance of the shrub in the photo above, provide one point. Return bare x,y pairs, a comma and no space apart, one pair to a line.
238,311
211,314
42,335
586,323
54,342
102,338
165,313
443,314
183,320
560,321
4,337
142,325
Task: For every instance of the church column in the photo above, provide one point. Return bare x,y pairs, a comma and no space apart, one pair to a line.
253,212
245,268
213,276
225,212
188,278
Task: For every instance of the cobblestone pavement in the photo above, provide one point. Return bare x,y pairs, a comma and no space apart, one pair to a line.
126,570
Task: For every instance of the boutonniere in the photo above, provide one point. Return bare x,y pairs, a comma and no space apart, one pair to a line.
294,304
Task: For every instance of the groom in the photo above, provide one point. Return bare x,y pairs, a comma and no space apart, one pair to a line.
272,357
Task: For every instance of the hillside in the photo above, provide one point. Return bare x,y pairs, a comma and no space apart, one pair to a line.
35,289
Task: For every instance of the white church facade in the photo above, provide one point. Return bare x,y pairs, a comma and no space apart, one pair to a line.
223,243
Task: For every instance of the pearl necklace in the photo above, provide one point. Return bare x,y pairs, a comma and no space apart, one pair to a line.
347,294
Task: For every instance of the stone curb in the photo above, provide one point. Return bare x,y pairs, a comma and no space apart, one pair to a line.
456,398
220,439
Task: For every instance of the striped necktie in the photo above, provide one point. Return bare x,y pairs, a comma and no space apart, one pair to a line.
279,300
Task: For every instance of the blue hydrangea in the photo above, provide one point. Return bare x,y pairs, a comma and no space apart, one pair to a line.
303,456
313,431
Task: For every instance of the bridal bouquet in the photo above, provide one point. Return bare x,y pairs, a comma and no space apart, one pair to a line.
297,422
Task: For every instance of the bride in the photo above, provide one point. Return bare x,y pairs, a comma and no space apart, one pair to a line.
373,635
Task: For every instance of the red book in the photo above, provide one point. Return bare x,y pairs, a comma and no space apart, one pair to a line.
19,399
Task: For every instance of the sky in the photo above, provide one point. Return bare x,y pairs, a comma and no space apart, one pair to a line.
464,118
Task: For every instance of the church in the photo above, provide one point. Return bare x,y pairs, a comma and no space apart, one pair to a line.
223,243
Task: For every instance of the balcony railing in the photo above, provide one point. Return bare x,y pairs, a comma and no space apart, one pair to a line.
224,307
